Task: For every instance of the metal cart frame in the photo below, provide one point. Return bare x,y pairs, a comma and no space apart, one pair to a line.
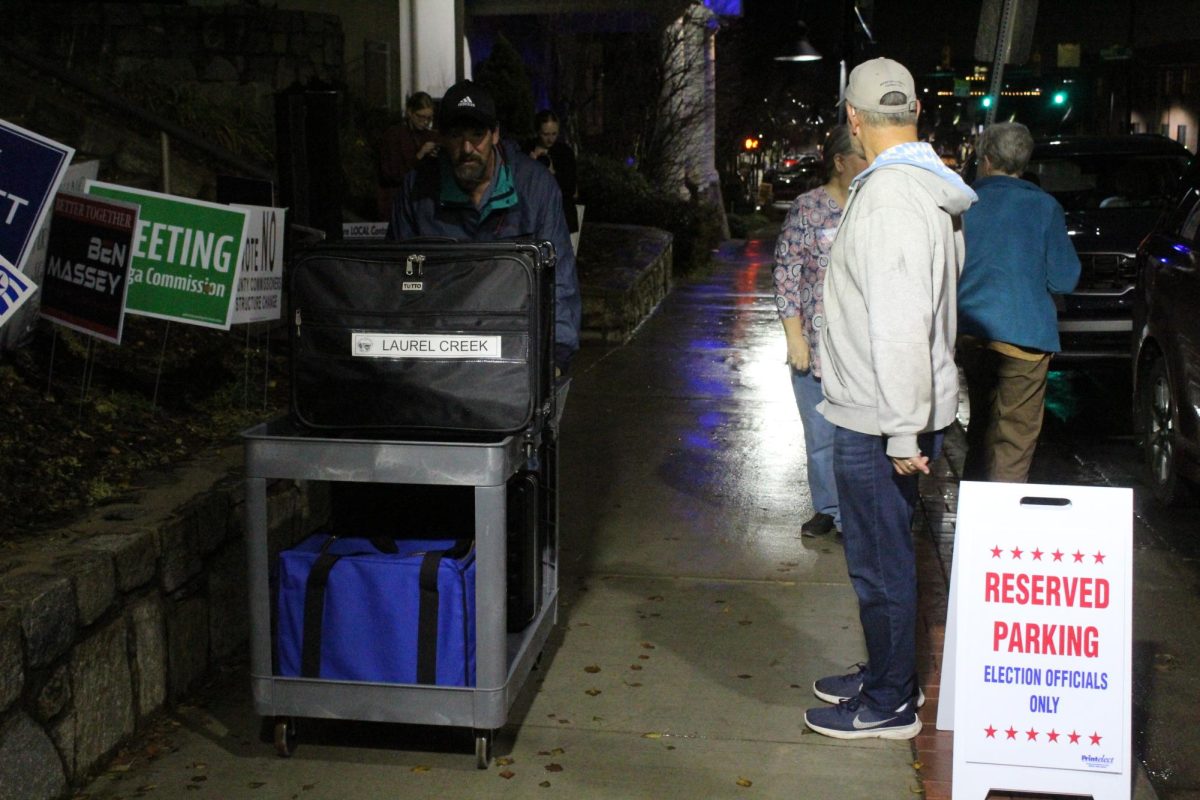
503,660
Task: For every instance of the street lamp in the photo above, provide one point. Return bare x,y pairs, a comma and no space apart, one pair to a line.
802,50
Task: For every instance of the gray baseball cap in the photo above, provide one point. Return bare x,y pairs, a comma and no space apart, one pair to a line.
873,79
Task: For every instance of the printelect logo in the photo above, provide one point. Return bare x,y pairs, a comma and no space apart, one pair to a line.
1097,762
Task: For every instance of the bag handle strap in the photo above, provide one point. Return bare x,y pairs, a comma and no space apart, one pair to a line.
427,621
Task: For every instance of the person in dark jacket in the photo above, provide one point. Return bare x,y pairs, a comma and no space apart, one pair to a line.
480,189
548,149
403,146
1018,257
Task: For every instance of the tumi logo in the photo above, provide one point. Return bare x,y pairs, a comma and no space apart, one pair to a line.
412,286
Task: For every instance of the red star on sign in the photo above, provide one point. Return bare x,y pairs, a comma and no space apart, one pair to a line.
1037,555
1078,557
1012,733
990,731
1058,555
1099,558
1074,737
1031,735
1052,735
1016,553
996,552
1095,737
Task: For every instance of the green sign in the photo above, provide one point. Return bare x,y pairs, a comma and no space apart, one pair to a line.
186,256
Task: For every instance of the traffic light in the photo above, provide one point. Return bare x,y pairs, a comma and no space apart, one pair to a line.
1059,98
986,102
750,144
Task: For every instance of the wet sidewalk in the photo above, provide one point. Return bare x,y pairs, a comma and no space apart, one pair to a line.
693,617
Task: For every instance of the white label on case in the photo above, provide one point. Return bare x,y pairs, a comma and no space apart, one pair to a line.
423,345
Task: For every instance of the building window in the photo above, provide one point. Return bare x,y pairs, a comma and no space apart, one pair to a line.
1181,134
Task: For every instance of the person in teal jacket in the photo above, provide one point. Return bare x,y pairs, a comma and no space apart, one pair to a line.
1018,257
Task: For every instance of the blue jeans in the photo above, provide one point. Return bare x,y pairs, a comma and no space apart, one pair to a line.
818,445
877,513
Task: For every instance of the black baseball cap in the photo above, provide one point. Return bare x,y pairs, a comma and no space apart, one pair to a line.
467,101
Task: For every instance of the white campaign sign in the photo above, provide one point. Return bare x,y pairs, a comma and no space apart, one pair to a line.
258,296
423,345
1038,681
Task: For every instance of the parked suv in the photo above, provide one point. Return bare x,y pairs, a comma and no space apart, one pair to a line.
1166,346
1112,189
793,176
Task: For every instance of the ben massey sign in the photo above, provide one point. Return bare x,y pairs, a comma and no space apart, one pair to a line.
87,264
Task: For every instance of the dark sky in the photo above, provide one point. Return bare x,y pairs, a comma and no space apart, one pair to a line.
914,31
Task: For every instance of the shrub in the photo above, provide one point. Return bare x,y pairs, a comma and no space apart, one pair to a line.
616,193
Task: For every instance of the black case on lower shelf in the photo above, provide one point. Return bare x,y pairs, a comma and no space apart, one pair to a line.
524,549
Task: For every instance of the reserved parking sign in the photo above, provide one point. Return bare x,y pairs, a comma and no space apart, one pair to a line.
1040,629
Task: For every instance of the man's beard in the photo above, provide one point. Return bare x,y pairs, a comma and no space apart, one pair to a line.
470,172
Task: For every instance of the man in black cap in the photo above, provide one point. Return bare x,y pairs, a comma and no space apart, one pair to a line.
481,189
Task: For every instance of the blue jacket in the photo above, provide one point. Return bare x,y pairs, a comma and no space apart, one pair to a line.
1018,255
523,201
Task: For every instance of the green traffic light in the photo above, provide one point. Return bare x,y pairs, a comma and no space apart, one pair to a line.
1060,98
987,101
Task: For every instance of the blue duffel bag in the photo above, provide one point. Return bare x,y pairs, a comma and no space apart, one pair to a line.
378,610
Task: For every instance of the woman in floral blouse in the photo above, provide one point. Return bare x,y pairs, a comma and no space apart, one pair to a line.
801,257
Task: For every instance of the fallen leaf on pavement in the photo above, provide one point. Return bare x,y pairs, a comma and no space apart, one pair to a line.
508,773
744,676
558,751
592,692
503,762
419,768
744,782
647,646
554,768
651,735
635,667
593,669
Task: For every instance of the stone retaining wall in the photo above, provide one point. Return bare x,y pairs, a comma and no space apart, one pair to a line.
114,619
624,273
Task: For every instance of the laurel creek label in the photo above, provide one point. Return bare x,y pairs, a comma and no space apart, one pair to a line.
423,345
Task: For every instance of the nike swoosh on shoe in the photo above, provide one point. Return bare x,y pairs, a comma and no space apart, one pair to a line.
859,725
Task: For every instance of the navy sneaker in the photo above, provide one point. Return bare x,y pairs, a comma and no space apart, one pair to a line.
851,719
839,688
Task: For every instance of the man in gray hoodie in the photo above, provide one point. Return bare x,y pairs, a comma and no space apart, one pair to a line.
890,385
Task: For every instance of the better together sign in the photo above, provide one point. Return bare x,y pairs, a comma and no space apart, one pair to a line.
186,256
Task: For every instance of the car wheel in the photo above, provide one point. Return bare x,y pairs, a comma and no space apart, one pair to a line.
1160,431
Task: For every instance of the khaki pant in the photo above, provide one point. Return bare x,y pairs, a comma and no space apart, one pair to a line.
1007,397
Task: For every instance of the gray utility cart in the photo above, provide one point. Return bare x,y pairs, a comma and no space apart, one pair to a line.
278,450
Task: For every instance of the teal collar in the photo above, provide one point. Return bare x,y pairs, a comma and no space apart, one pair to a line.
501,193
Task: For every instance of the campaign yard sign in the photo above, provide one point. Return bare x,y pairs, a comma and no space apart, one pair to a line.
21,326
259,293
15,289
31,168
1041,673
87,264
186,256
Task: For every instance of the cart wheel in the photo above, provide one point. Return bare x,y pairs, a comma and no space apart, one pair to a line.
285,736
483,748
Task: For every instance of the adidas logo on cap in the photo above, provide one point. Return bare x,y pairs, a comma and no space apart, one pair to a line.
466,102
